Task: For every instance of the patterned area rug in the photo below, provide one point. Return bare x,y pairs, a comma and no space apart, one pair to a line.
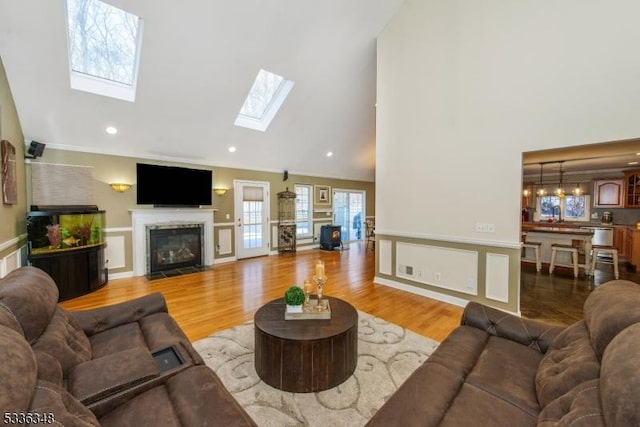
387,355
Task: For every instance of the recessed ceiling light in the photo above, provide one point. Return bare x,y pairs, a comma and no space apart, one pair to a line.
232,149
111,130
329,154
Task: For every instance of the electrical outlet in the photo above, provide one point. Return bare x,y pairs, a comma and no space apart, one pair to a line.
438,276
485,228
470,283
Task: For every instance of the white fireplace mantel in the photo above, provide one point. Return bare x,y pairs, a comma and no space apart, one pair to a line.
141,218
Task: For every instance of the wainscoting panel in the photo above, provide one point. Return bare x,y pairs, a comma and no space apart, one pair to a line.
9,263
384,253
497,277
447,268
115,252
224,241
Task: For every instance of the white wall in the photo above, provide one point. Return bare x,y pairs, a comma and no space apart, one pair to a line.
464,87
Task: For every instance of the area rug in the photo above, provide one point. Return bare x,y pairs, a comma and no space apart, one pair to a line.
387,355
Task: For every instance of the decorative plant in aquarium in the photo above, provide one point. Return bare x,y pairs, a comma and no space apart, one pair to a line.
53,234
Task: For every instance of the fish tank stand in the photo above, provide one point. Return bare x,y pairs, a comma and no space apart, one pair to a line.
67,242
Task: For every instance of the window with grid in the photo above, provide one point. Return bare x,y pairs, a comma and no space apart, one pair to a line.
303,210
569,208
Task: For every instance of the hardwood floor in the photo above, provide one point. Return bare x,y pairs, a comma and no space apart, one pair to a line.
559,297
229,294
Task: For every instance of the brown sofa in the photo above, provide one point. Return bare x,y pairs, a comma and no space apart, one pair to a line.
97,367
500,370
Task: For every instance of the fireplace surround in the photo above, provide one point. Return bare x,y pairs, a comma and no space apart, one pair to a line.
142,219
174,246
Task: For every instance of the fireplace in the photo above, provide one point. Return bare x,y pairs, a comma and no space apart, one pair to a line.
143,219
174,247
330,237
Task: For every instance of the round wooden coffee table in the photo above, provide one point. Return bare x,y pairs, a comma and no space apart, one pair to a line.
304,356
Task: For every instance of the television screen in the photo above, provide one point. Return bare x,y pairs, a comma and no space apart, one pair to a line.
172,186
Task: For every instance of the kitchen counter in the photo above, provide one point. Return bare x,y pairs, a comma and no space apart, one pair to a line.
548,236
561,230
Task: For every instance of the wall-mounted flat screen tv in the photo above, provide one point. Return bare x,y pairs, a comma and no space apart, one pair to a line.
172,186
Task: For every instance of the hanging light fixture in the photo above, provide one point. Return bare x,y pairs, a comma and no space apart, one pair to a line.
560,189
541,191
577,190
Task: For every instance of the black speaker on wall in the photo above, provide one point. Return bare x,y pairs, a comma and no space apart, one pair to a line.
285,176
35,150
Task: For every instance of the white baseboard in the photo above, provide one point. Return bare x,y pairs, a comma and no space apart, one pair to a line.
121,275
420,291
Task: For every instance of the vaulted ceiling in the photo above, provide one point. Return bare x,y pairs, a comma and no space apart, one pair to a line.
198,61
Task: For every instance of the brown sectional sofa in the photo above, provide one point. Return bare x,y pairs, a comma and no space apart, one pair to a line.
497,369
96,367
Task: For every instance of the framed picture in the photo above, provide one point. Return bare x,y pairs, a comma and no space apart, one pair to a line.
322,195
9,184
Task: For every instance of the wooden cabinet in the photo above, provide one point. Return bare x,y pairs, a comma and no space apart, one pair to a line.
608,193
528,195
632,189
633,242
619,240
76,272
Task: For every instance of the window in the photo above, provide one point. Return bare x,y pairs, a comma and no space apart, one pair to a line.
267,94
104,48
303,210
569,208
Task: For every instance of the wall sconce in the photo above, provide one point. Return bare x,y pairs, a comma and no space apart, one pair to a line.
120,187
220,191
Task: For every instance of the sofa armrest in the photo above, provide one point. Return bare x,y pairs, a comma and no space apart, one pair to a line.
533,334
107,376
104,318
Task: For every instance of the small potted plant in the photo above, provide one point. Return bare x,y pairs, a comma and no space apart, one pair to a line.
294,298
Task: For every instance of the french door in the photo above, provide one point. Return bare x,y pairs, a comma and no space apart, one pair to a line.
252,218
349,214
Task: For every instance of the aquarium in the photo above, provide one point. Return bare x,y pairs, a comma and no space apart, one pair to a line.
64,230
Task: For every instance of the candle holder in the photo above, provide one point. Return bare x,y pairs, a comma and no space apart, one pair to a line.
319,281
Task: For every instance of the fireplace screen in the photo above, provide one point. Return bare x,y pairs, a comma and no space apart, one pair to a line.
175,247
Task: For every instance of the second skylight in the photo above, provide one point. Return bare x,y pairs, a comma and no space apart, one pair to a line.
267,94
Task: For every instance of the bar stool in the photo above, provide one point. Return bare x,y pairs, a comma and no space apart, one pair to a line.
599,249
536,251
557,247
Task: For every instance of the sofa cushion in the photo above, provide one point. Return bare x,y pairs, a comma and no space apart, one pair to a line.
620,379
55,403
31,296
193,397
609,309
569,361
579,407
49,368
506,371
152,332
472,375
18,371
64,340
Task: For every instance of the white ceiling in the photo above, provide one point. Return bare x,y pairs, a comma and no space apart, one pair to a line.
197,64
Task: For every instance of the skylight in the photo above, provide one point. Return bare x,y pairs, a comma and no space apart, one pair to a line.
267,94
104,48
